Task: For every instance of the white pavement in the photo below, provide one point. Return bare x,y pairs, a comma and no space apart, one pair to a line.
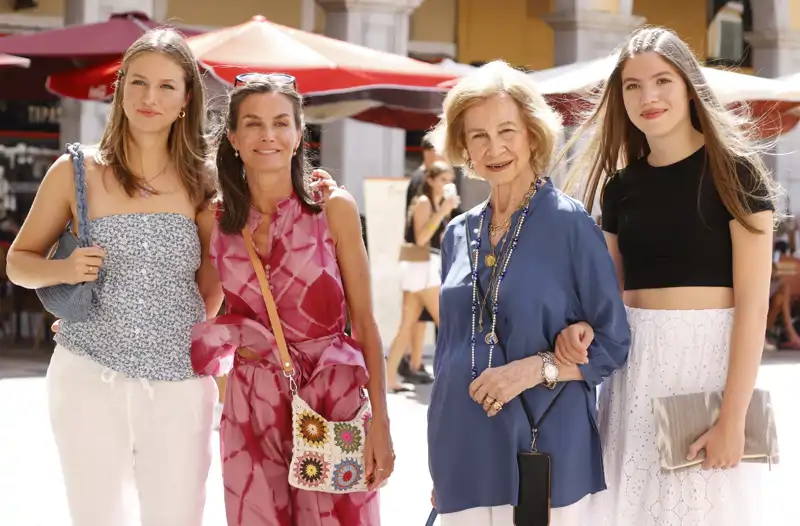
31,492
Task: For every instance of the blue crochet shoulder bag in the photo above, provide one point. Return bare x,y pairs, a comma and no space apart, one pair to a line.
67,301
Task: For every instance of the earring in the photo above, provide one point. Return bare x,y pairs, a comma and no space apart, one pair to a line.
236,153
182,114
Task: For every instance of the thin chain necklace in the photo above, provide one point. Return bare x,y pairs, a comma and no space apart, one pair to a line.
491,336
146,190
500,250
504,226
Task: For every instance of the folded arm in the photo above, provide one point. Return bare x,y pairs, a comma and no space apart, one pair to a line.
600,305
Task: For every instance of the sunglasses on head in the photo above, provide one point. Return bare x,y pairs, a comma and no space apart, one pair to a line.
278,78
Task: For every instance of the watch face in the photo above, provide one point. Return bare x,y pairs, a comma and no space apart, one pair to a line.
550,371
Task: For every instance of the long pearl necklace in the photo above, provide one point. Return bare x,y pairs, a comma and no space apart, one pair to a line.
491,336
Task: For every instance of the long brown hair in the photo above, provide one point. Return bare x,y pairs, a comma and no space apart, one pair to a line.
188,148
436,169
230,168
616,142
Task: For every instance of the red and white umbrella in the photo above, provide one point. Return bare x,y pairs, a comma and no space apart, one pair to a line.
338,79
321,64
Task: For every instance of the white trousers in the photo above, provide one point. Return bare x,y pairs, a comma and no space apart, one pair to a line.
574,515
123,440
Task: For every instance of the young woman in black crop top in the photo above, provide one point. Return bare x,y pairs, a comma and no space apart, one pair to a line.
688,221
428,214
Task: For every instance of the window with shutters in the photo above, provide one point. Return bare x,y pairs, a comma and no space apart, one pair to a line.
728,22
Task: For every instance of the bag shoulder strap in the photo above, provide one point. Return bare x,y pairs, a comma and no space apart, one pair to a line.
269,303
79,170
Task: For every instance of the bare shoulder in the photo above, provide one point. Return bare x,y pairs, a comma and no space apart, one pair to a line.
342,214
340,202
60,177
423,203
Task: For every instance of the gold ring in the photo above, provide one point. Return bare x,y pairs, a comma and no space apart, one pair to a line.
488,399
381,469
497,406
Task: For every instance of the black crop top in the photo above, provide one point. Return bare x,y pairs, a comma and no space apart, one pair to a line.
672,228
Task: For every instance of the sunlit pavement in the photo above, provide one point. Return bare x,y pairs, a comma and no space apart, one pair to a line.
31,490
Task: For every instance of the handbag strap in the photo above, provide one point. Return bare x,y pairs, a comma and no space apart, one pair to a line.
534,425
272,310
79,170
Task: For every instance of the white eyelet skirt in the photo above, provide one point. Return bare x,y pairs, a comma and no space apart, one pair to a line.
672,352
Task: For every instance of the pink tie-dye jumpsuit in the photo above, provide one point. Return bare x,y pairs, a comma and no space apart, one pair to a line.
255,433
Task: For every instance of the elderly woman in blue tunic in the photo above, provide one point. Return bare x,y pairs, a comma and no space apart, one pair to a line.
517,270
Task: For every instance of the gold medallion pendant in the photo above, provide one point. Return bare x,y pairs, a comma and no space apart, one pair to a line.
490,260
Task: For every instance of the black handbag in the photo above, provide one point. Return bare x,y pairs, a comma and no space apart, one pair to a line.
67,301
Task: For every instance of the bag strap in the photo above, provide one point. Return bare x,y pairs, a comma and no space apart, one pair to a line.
272,310
528,413
79,171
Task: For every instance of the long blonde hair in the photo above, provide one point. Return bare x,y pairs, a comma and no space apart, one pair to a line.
187,143
616,142
492,79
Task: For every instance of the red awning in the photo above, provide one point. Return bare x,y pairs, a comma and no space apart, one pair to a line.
85,41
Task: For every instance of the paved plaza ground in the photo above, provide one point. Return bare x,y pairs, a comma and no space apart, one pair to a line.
31,491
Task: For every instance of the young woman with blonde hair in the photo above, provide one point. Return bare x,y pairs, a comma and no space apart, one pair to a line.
130,416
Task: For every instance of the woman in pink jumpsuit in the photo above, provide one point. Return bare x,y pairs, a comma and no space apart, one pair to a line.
317,269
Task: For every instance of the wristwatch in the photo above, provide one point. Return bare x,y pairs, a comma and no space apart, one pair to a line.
549,370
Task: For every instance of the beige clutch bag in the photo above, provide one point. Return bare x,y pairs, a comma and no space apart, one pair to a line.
415,253
682,419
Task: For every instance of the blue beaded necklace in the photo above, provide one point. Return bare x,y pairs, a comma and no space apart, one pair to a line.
491,336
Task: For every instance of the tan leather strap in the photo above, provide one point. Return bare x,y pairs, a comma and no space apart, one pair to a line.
269,302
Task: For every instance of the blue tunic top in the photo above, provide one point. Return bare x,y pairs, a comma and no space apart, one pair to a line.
560,273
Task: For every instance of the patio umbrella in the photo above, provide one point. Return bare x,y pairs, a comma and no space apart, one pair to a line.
338,79
321,64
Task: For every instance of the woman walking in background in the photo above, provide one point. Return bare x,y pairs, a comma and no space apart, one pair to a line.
129,414
421,262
